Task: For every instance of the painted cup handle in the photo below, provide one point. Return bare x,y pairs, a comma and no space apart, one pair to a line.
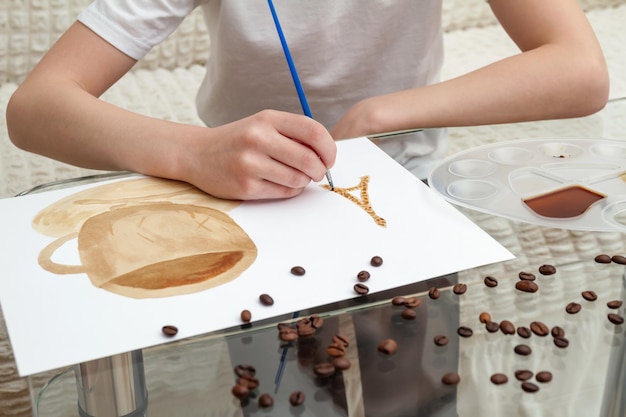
46,262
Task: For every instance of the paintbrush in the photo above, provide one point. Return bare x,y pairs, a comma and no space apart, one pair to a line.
294,74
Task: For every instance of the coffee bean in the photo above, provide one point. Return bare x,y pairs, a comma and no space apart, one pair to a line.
341,363
539,328
316,321
573,308
507,327
589,295
492,326
244,370
464,331
557,332
298,270
615,318
459,288
296,398
266,401
544,376
530,387
409,314
547,270
376,261
339,338
523,374
441,340
251,382
246,316
240,391
169,330
527,276
305,328
288,334
324,369
603,259
398,301
388,346
361,289
526,286
451,378
614,304
490,282
434,293
523,331
523,350
484,317
266,299
336,350
363,276
499,378
560,342
619,259
413,302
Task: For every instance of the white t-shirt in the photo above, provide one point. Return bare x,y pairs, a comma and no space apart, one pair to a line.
344,51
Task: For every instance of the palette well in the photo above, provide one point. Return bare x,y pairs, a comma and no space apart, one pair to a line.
577,184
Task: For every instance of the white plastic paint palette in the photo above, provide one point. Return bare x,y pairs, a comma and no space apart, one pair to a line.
575,184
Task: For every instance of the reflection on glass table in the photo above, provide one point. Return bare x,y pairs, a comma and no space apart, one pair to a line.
195,377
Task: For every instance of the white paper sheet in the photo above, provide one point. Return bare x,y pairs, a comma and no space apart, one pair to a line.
57,320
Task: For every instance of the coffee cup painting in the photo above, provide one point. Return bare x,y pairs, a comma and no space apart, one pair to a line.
147,238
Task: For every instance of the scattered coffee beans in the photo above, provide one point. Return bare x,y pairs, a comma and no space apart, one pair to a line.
523,350
529,387
527,276
465,331
324,369
441,340
246,316
573,308
526,286
523,374
547,270
499,378
388,346
484,317
361,288
507,327
341,363
266,401
589,295
451,378
363,276
298,271
539,328
544,376
603,259
490,282
523,331
459,288
560,342
615,318
296,398
169,330
434,293
619,259
492,326
409,314
266,299
376,261
557,332
614,304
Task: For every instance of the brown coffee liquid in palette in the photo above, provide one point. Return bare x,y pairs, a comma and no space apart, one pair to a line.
575,184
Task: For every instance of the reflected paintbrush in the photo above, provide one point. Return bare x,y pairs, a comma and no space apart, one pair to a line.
294,74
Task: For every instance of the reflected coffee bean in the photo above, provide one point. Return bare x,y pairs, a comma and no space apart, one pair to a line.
240,391
523,331
459,288
324,369
451,378
251,382
590,295
526,286
409,314
465,331
388,346
573,308
561,342
434,293
361,289
441,340
296,398
490,282
615,318
603,259
341,363
539,328
398,301
523,350
557,332
244,370
499,378
412,302
523,374
336,350
527,276
614,304
266,401
341,339
507,327
547,269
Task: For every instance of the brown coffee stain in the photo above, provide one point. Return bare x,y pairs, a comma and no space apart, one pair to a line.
363,201
133,243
